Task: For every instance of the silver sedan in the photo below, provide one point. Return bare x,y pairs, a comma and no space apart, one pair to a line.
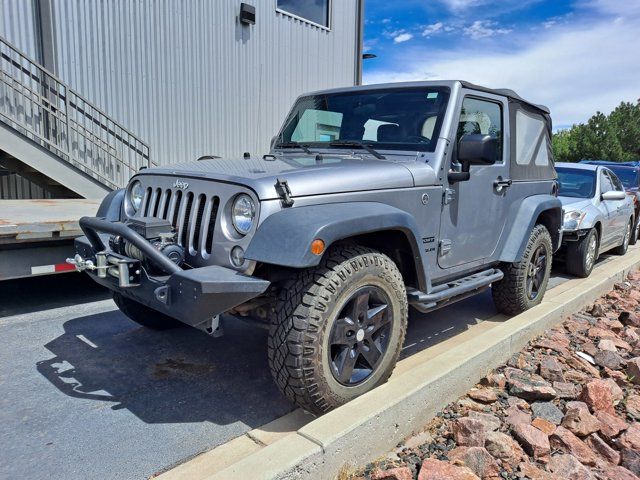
598,215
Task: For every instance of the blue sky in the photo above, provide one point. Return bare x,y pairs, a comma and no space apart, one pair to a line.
576,57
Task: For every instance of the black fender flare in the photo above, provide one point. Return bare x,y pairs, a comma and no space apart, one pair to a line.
285,237
523,216
111,206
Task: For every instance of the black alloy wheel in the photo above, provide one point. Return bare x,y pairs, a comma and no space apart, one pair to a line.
360,336
536,271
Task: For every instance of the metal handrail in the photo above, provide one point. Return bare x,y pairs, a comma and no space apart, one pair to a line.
46,110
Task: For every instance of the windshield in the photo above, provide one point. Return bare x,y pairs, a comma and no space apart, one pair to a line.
576,183
393,119
628,176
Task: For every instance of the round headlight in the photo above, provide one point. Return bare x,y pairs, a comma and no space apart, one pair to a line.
243,213
135,195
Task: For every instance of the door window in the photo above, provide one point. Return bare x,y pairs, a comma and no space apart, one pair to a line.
481,117
617,184
605,183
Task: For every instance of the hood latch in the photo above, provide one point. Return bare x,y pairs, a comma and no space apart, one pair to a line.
284,192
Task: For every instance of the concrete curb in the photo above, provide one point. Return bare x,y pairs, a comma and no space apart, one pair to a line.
374,423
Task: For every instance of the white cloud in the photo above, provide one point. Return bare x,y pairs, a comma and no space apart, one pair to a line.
575,69
386,20
432,29
458,5
483,29
403,37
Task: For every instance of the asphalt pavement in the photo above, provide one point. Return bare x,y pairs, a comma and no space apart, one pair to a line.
86,393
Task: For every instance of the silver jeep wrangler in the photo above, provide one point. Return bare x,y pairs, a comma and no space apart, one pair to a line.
373,198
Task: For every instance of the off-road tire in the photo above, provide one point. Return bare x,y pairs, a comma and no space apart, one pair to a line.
509,294
576,255
636,230
305,311
143,315
622,249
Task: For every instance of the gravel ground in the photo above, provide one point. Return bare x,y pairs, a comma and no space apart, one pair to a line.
566,407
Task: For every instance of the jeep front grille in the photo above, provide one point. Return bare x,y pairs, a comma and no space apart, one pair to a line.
192,215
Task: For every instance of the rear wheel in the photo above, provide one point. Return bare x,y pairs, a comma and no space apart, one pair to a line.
525,282
624,246
582,255
636,231
338,328
143,315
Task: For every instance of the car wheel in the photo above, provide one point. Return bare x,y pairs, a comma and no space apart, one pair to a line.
143,315
636,233
525,282
582,255
338,328
622,248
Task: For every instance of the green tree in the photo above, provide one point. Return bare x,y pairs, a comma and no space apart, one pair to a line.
604,137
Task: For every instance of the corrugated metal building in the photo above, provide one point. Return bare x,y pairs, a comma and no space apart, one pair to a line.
187,76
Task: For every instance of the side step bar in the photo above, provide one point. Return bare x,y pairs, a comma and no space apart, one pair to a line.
453,290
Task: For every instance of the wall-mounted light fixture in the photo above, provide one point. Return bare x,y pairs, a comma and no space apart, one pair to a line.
247,14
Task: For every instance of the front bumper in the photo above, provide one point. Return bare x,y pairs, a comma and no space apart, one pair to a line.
192,296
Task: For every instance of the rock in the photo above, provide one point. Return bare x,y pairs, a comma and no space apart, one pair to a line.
580,422
514,417
607,345
493,379
534,441
468,432
565,389
585,364
598,445
551,369
529,470
568,467
477,459
433,469
399,473
631,437
630,335
616,392
632,406
599,333
483,395
563,438
468,404
630,459
504,448
577,404
517,361
617,473
576,376
610,425
617,376
545,425
518,402
629,319
490,422
548,411
597,394
417,440
633,370
590,348
549,344
529,387
608,359
597,310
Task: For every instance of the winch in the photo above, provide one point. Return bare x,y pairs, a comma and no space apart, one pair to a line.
158,232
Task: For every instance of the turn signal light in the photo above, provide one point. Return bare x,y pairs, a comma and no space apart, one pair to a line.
317,247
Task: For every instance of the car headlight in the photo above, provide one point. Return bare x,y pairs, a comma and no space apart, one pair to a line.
243,213
573,219
136,193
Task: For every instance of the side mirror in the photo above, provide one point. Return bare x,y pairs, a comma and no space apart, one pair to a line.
614,195
477,149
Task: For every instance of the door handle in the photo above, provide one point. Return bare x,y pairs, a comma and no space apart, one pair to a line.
500,184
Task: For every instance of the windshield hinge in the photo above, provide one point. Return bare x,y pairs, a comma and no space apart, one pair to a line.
449,196
284,192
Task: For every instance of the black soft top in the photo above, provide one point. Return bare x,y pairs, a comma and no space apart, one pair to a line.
505,92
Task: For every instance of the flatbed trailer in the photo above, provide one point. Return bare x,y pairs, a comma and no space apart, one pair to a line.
36,236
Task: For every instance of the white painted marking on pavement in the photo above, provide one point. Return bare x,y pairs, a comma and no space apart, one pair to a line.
87,341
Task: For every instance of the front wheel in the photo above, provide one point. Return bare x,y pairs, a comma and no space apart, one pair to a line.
582,255
525,282
338,328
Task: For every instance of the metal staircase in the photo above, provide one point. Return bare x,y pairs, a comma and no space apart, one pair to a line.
55,138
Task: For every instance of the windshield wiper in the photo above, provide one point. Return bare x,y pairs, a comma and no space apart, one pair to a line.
292,144
356,143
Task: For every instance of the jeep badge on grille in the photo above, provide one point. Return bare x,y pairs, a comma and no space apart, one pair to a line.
181,185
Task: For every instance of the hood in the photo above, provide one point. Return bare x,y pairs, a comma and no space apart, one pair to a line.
572,203
305,175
